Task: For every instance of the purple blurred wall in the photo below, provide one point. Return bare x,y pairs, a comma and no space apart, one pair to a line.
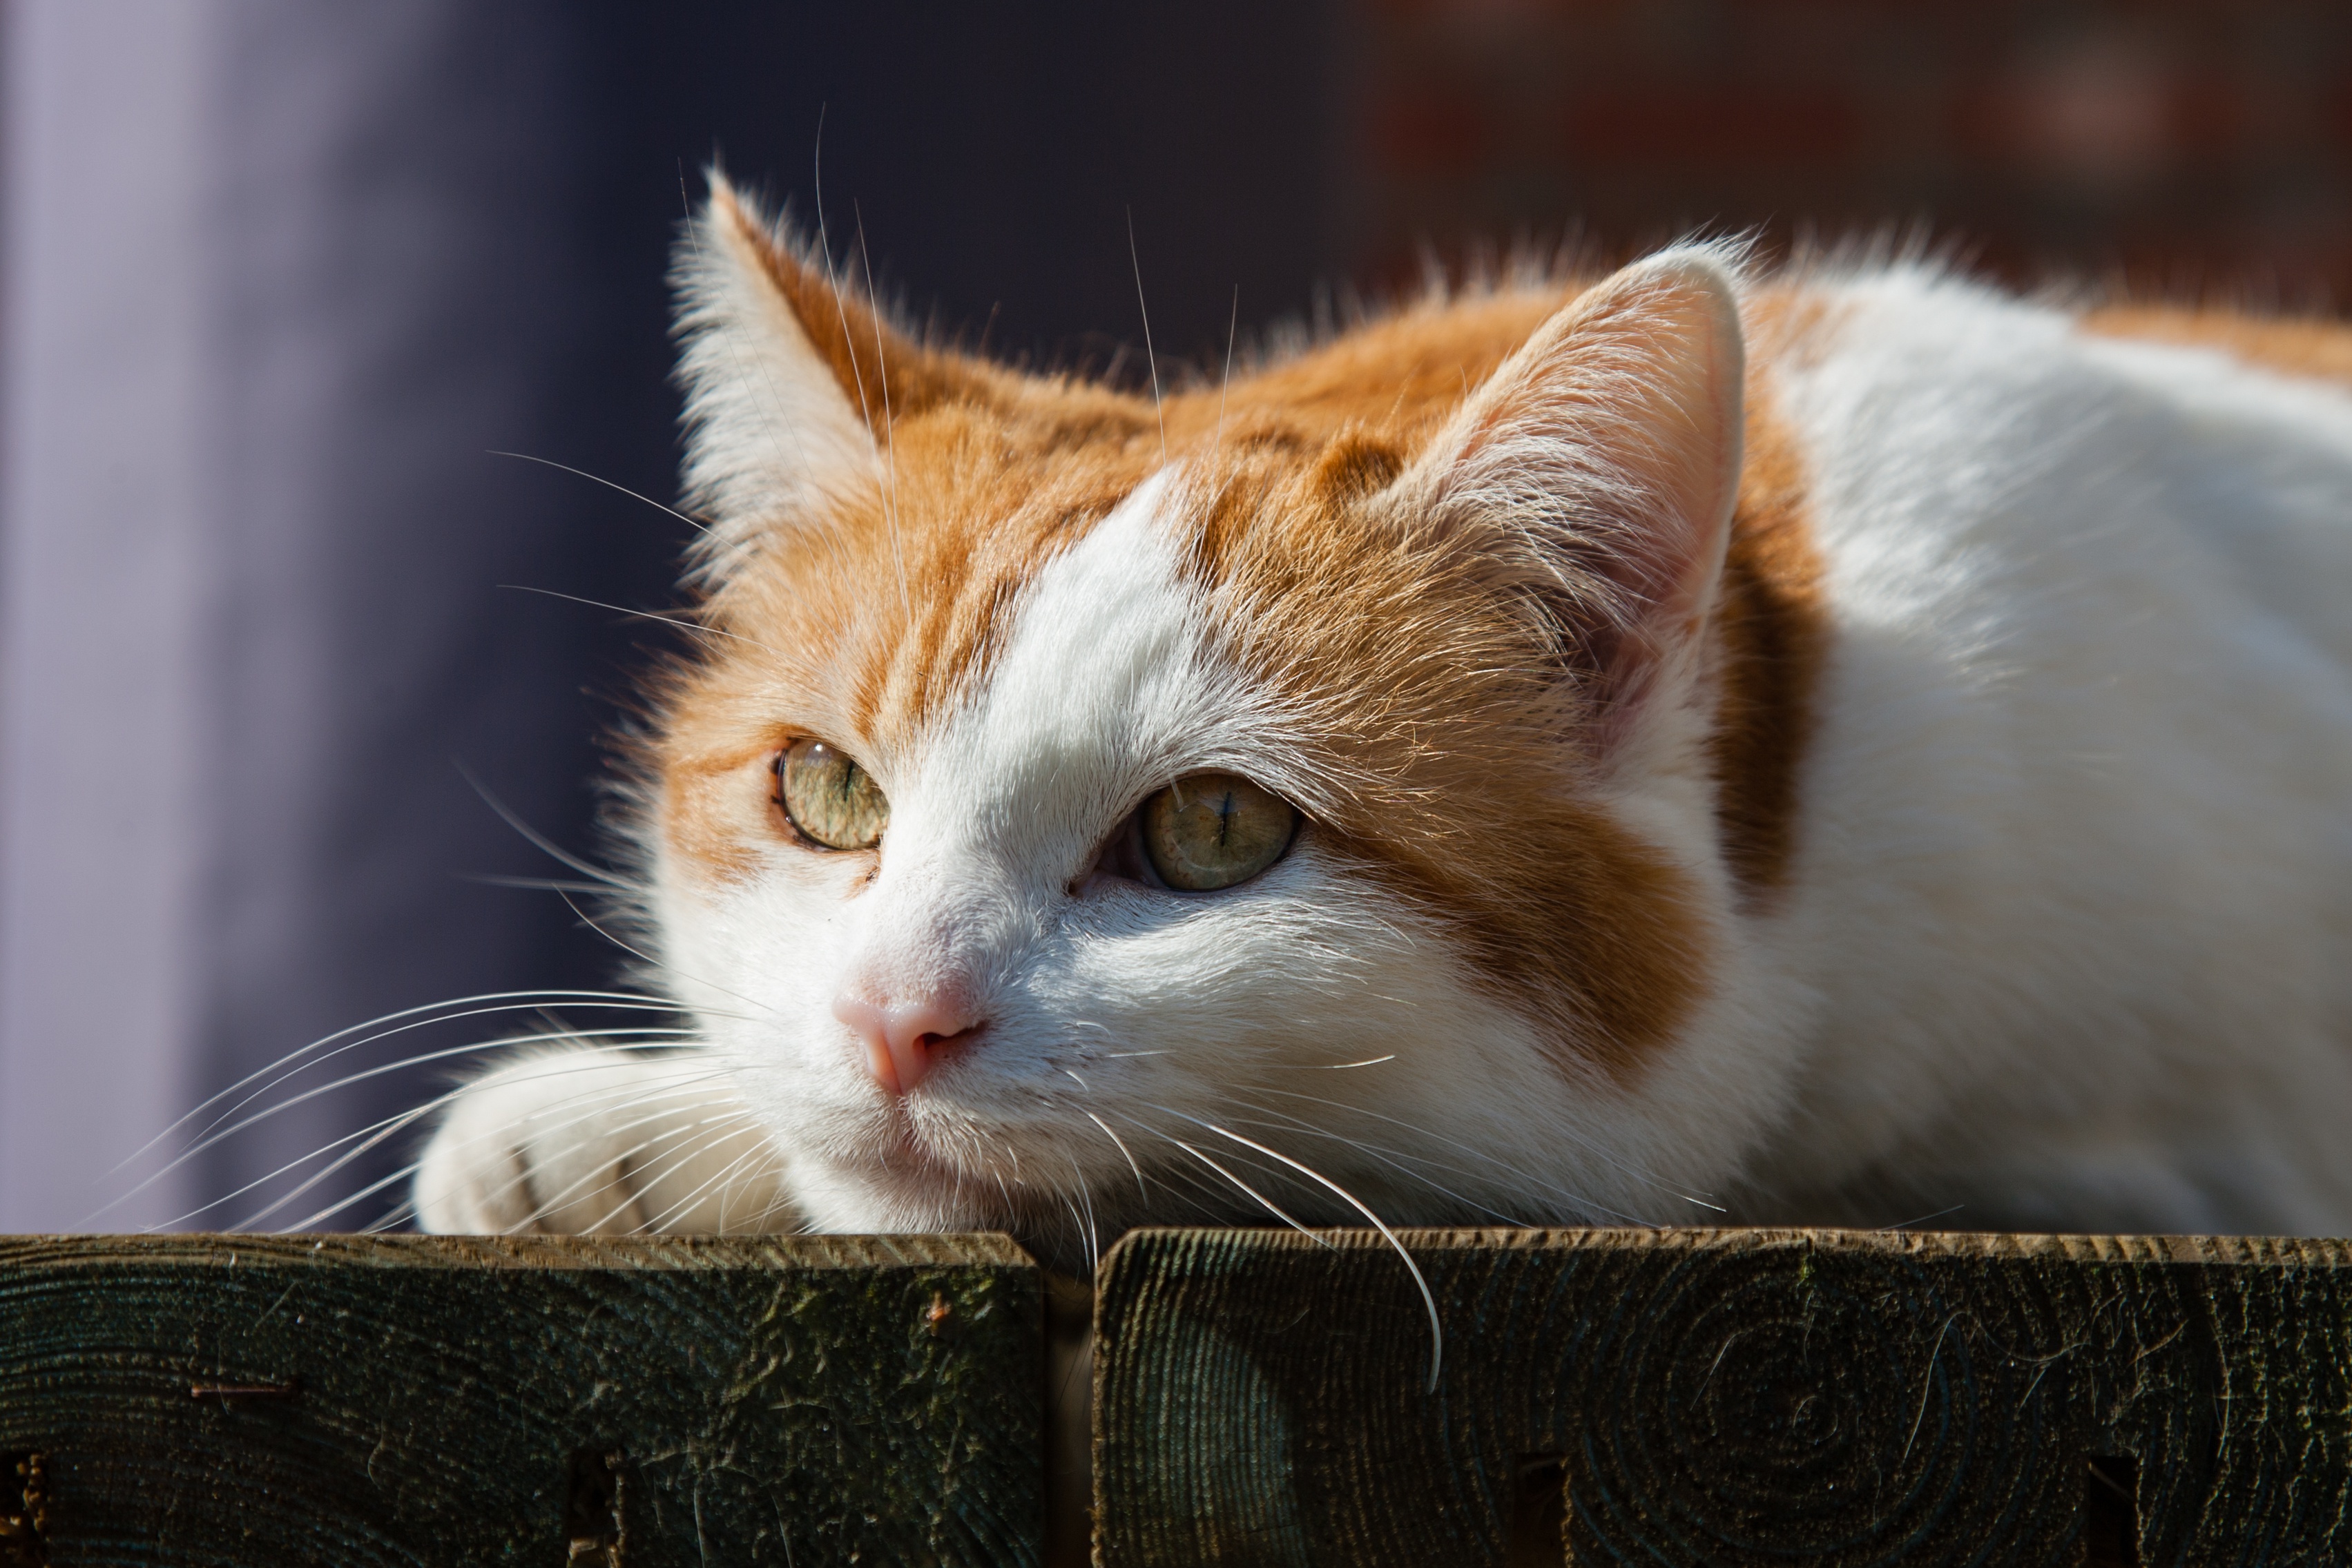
276,276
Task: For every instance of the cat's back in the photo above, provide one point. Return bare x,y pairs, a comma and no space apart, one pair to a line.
2080,564
1976,455
2074,825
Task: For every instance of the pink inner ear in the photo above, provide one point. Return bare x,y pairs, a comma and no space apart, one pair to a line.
1611,444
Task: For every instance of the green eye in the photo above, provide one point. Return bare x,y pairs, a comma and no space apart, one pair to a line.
829,798
1213,830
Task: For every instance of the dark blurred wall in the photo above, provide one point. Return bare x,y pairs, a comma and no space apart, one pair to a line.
2182,143
278,274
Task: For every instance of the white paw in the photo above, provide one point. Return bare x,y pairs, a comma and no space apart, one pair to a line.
600,1141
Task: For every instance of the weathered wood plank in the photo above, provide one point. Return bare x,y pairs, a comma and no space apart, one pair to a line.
1723,1397
439,1400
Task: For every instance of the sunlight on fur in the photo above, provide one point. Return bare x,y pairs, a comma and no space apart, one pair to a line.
1832,744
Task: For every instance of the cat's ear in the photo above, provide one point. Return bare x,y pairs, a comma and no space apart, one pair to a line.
791,376
1604,457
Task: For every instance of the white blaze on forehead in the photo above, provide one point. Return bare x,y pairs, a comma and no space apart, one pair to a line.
1105,687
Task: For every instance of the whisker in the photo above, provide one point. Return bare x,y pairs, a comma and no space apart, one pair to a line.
531,884
1150,359
597,1103
1086,1197
856,371
218,1129
696,627
404,1173
889,424
536,839
609,484
700,1136
649,960
760,1147
1395,1159
1140,1190
778,408
639,1032
1428,1298
390,1126
1232,328
1266,1203
393,1218
522,999
1599,1210
384,1129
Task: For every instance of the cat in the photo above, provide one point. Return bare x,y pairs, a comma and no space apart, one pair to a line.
1697,745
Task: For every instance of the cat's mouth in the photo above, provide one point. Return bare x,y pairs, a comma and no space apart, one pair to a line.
926,1177
906,1157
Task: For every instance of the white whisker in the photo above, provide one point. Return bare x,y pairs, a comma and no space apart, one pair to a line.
216,1131
696,627
521,1000
539,841
1598,1210
889,423
1428,1298
1140,1190
1232,328
609,484
476,1047
1150,359
651,962
1266,1203
376,1133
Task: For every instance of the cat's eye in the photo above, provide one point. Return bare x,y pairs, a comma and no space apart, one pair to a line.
829,798
1214,829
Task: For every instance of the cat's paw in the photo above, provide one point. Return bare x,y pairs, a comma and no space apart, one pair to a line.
599,1141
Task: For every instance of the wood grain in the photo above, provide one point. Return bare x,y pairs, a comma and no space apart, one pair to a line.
1723,1397
443,1400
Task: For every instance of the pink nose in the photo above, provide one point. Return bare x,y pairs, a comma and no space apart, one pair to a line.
904,1040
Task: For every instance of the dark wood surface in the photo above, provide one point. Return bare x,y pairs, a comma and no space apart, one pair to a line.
280,1401
1662,1399
1685,1398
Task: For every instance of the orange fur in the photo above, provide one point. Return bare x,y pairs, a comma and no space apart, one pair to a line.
1433,721
2310,347
1773,628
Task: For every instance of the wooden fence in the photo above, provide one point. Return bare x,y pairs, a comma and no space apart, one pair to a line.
1259,1397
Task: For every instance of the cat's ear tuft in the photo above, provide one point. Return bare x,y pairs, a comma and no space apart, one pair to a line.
791,374
1604,457
770,425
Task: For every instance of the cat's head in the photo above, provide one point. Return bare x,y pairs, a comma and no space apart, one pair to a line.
1081,812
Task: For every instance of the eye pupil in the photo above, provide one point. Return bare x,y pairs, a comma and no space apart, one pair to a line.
832,801
1214,831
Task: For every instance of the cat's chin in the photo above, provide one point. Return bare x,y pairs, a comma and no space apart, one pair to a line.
905,1191
912,1194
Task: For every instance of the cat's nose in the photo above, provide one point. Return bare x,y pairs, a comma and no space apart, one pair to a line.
904,1040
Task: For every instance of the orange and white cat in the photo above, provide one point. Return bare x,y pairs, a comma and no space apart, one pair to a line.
1687,747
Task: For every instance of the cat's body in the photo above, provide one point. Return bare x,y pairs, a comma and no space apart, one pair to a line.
1960,826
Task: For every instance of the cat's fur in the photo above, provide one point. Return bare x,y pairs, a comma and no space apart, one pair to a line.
1829,747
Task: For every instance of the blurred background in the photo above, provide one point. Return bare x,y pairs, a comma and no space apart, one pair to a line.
279,279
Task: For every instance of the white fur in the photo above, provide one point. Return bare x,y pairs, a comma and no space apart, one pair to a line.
1168,1017
769,434
2064,942
2076,885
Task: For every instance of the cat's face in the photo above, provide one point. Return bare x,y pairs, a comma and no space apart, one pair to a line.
1081,814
